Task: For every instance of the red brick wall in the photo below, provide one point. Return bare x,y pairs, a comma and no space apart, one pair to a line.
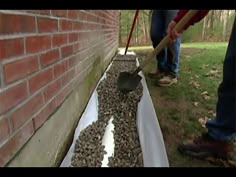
41,54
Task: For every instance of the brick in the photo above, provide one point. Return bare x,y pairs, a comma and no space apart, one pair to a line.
104,25
73,37
40,79
65,25
89,26
100,20
4,129
72,14
60,68
94,12
12,96
82,15
84,36
68,77
43,115
37,43
52,89
47,25
20,68
92,26
49,57
59,13
82,46
8,150
91,18
47,12
84,26
11,47
76,47
66,51
63,94
76,25
72,61
24,113
59,39
10,23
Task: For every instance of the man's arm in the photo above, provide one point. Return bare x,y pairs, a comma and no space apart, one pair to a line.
196,18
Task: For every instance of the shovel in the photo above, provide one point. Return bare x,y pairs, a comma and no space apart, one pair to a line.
132,29
128,81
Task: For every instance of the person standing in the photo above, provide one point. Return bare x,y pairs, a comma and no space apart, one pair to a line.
167,68
218,140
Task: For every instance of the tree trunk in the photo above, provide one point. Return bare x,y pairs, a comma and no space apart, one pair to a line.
144,27
127,29
221,15
204,28
149,23
149,20
212,19
226,14
136,32
120,30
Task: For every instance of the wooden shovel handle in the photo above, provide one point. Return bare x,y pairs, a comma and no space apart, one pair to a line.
131,31
164,42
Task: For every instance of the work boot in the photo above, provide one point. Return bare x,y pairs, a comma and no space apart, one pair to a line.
204,146
156,75
167,80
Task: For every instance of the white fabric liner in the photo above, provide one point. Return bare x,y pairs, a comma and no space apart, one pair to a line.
150,136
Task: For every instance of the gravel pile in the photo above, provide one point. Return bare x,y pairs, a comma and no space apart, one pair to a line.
89,151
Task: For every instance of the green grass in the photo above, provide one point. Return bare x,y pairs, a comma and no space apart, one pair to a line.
200,64
207,45
177,115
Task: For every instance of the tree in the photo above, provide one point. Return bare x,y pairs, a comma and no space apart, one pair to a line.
136,31
204,28
225,20
144,26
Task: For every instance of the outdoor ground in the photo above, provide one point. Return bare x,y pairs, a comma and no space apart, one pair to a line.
194,97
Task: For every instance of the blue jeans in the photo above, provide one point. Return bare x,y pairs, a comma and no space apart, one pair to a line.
168,58
223,127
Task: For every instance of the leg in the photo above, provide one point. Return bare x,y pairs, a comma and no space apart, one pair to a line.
223,127
173,57
222,130
173,49
172,54
157,34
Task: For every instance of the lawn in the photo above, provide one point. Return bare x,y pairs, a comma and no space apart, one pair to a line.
180,106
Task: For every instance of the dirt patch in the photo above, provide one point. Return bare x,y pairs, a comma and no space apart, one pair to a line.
172,131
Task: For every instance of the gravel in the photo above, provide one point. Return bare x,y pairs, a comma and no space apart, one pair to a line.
89,150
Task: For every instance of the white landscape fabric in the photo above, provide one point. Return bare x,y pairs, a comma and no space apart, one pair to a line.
150,136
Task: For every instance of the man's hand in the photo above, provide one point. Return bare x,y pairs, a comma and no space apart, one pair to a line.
172,33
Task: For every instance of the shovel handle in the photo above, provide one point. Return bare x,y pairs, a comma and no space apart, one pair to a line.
164,42
132,29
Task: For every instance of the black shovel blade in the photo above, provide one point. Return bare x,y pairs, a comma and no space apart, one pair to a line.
128,82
